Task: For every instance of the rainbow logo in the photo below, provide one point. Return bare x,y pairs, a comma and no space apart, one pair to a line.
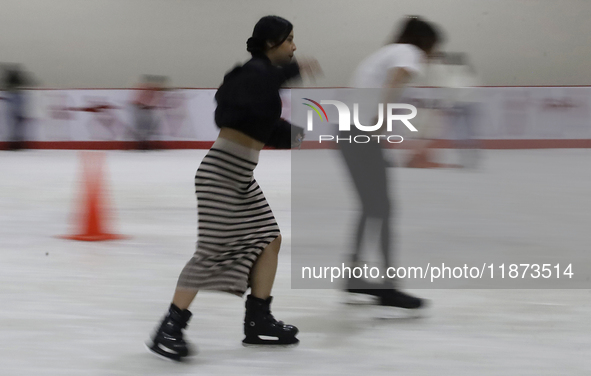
316,109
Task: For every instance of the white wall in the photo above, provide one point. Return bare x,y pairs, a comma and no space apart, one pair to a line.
109,43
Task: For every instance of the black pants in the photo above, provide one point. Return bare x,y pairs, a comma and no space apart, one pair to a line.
17,138
145,127
368,168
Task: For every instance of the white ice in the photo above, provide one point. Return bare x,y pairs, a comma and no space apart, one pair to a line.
73,308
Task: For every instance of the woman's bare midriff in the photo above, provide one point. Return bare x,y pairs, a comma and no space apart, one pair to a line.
240,138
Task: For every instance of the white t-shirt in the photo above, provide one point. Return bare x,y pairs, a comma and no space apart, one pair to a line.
373,71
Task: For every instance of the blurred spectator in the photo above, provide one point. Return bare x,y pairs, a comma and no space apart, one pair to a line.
430,110
147,99
13,81
463,106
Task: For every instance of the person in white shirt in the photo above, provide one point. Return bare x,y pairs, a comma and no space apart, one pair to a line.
389,69
391,66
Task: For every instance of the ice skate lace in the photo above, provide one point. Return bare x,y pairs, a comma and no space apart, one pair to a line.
269,317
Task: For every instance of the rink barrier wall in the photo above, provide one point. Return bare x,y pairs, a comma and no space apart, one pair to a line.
306,145
512,117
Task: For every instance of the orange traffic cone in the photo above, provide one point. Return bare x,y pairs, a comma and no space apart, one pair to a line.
93,215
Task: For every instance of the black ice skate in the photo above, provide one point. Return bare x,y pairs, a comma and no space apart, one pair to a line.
396,298
381,294
261,328
168,340
361,292
360,286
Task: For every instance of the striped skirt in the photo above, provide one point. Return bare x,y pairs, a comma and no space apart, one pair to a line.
235,221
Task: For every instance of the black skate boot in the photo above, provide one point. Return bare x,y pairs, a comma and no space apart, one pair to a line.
168,340
261,328
396,298
361,292
386,295
360,286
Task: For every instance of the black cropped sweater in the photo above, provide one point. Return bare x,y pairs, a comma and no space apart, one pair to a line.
248,101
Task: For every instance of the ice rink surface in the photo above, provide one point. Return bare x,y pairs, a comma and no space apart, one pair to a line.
74,308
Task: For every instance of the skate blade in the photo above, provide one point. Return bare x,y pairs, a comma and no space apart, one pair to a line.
268,343
398,313
357,299
161,354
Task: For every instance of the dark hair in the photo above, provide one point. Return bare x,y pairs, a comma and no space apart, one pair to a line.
14,78
419,33
272,29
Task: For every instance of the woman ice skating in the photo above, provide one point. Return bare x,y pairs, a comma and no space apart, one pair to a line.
391,68
239,239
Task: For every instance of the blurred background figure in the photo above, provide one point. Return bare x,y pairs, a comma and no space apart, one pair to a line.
14,80
463,107
147,99
104,124
432,106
